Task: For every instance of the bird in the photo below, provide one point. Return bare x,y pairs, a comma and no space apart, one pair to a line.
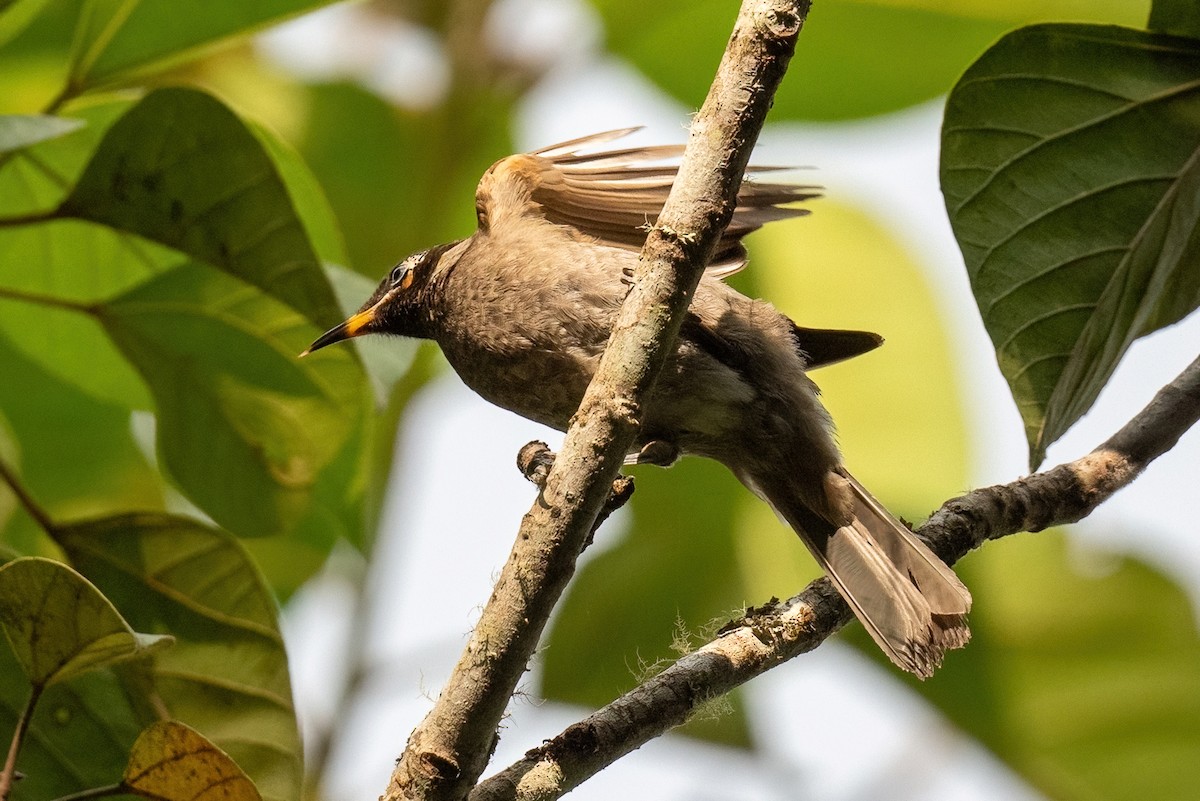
523,308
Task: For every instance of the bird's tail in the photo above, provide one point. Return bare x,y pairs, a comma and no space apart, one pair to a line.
911,603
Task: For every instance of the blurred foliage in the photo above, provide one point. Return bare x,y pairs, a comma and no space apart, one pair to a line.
855,58
1069,165
165,251
1081,672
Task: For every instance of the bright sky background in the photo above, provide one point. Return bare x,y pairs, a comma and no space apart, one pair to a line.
451,551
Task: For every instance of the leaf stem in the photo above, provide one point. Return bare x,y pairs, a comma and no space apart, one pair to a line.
10,764
96,792
46,300
31,507
28,219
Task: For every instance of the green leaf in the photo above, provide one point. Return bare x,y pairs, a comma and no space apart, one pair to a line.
76,454
855,58
59,625
441,153
69,260
18,131
307,196
37,179
1179,17
172,762
74,264
227,675
243,426
35,40
15,16
1081,672
80,732
1070,166
181,169
132,37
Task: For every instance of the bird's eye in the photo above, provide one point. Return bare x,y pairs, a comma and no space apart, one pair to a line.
398,273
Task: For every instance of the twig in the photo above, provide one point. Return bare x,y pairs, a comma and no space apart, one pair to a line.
8,774
450,748
771,635
40,516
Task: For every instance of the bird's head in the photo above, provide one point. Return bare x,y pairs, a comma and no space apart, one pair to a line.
400,304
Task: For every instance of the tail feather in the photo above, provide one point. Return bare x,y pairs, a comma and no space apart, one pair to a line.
910,602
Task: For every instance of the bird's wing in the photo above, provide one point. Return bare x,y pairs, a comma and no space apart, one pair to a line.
616,195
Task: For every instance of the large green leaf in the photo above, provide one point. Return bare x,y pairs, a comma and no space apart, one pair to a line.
227,674
244,427
181,169
35,42
1081,673
69,260
312,207
80,729
1071,170
59,625
67,265
119,38
1180,17
855,57
76,454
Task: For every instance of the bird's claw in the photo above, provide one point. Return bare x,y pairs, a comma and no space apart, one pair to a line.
657,452
627,278
534,460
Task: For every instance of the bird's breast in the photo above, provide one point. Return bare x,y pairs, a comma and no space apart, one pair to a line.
542,384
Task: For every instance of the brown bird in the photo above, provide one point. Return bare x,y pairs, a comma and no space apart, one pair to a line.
523,309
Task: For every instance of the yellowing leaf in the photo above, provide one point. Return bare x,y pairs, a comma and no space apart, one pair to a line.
172,762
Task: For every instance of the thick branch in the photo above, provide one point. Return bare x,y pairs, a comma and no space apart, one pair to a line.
777,632
450,748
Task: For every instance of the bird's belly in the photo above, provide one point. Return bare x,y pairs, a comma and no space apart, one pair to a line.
540,385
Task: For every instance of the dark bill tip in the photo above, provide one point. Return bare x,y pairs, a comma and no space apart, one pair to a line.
348,330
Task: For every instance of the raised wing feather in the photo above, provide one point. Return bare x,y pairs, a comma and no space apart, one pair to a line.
616,195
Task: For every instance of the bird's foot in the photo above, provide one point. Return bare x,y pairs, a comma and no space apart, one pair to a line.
657,452
535,459
627,278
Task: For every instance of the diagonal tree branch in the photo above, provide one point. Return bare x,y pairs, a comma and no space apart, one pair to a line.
775,633
449,749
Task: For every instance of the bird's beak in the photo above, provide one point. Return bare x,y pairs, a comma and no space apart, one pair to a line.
356,325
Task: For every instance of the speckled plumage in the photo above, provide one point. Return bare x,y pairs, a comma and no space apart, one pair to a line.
523,308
